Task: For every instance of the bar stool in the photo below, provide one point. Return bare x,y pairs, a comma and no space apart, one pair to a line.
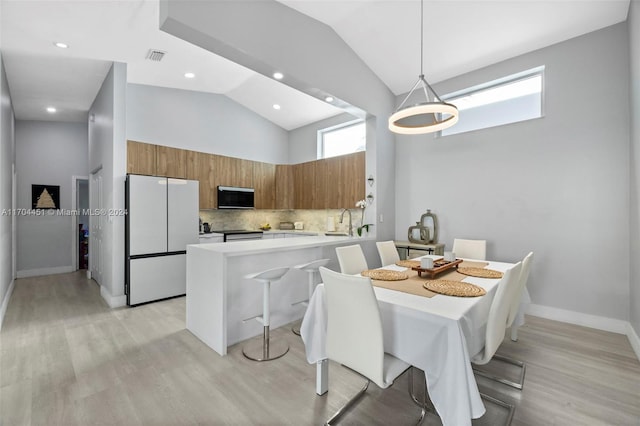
265,351
310,268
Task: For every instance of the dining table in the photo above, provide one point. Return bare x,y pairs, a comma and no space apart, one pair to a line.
438,334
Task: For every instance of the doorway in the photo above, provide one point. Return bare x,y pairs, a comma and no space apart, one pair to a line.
96,226
80,222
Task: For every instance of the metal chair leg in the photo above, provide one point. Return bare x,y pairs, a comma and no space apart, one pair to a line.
423,404
518,384
349,403
501,403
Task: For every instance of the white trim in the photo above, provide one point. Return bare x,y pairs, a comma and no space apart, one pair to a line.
45,271
5,301
593,321
113,302
633,339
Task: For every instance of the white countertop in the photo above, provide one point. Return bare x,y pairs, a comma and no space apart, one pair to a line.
291,231
241,248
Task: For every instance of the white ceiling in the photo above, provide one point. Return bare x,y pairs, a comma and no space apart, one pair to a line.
460,36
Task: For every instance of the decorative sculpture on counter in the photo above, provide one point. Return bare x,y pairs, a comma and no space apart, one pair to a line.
425,231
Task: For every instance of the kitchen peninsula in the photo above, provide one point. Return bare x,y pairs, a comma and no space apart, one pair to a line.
221,302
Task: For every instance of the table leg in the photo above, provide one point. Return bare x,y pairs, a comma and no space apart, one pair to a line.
322,376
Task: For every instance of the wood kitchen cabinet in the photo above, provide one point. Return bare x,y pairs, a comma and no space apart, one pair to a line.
202,167
344,180
331,183
171,162
285,197
264,183
304,185
141,158
232,171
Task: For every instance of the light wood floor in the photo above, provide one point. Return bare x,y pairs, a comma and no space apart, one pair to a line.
67,359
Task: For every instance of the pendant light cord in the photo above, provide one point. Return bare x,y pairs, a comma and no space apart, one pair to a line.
421,36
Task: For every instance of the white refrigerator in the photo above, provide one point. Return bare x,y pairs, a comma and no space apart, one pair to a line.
162,219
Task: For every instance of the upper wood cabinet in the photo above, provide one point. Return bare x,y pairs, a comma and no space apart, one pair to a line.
264,183
352,178
202,167
141,158
331,183
304,185
171,162
232,171
285,197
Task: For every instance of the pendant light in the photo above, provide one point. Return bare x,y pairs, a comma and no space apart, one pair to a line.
426,117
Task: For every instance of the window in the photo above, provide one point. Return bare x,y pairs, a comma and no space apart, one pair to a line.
507,100
342,139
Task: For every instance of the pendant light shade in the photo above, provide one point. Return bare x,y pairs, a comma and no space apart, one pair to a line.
430,116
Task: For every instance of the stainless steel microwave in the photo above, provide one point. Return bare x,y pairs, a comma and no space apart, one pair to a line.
230,197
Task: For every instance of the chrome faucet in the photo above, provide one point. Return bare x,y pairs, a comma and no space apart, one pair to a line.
342,217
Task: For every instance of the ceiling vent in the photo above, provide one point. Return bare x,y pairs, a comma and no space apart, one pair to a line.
155,55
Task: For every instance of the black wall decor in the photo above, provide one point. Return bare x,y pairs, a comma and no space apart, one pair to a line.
45,196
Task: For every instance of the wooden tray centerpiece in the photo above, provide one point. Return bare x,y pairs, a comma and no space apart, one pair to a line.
439,266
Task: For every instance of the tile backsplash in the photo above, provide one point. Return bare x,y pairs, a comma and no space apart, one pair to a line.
314,220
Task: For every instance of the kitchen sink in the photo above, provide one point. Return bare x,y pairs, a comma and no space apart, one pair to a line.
336,234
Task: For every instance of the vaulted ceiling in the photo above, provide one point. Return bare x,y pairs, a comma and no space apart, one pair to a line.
459,36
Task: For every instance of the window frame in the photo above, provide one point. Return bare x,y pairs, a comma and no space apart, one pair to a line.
502,81
344,125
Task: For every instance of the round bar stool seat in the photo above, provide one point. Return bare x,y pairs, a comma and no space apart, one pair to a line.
310,268
266,350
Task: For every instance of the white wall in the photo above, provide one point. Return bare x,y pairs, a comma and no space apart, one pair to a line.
107,151
558,186
7,160
634,50
204,122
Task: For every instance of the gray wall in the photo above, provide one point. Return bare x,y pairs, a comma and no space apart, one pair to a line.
107,152
303,141
634,49
267,36
7,160
204,122
47,153
557,186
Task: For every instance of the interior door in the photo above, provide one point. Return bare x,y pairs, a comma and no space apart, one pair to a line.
97,223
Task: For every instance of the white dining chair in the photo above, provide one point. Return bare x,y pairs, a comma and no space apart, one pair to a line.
470,249
388,252
351,259
497,323
513,311
354,334
515,303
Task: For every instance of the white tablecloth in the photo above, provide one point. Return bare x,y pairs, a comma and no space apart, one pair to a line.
438,335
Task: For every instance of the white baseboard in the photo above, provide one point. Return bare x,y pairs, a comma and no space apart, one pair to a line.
112,301
45,271
5,301
578,318
633,339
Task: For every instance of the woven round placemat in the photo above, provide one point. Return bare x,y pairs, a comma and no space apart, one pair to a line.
454,288
385,275
408,263
480,272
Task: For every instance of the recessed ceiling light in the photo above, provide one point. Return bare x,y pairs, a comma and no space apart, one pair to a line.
329,99
278,75
51,110
189,75
61,45
276,106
